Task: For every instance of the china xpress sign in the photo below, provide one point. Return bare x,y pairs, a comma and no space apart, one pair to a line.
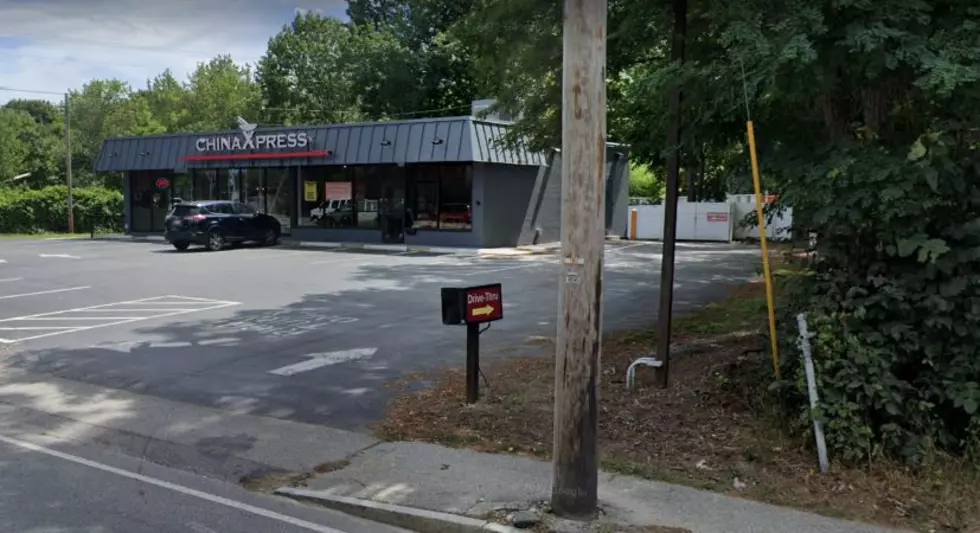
249,140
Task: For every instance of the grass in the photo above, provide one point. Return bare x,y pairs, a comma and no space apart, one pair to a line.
40,236
709,428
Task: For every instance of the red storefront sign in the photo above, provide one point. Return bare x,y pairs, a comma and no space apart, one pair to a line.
163,183
717,217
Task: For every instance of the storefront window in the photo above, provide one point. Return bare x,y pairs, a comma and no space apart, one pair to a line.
455,195
253,195
233,185
440,197
205,181
367,196
424,197
183,185
327,197
280,186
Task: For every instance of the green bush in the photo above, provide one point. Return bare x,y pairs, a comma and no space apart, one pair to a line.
46,210
893,301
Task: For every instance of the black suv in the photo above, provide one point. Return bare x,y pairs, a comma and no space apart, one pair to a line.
215,224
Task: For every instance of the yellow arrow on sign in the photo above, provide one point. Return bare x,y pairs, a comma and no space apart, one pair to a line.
485,310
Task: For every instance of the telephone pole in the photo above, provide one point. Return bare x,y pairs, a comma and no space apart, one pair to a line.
670,202
71,201
578,344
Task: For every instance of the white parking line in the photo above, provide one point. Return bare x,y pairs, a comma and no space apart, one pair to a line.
6,280
39,293
206,305
234,504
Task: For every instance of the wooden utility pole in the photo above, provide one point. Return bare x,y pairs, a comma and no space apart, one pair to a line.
670,203
71,200
577,350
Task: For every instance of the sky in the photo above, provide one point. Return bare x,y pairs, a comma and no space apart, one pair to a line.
57,45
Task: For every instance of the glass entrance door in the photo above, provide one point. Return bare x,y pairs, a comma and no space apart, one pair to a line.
392,205
149,203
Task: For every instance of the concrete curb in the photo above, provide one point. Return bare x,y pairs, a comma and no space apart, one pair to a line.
420,520
519,251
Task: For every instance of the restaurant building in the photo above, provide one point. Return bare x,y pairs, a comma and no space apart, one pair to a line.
433,182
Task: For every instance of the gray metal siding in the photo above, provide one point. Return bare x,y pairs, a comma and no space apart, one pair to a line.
462,139
507,195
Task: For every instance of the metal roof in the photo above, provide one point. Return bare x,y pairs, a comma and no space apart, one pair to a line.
436,140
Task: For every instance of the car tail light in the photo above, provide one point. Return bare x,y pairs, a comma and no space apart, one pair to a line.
195,218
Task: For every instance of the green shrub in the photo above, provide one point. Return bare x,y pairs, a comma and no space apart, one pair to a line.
893,301
46,210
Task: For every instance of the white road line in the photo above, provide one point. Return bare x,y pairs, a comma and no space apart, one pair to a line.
39,293
60,256
155,298
117,323
55,318
318,360
139,309
3,260
216,304
6,280
227,502
32,328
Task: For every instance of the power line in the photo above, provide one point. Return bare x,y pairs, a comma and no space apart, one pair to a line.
16,90
69,59
161,49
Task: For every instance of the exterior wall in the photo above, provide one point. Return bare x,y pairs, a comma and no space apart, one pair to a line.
544,214
542,221
617,193
507,197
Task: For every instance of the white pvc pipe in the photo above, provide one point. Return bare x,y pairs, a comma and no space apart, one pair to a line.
811,385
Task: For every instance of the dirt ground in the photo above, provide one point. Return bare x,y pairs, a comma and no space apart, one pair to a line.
710,429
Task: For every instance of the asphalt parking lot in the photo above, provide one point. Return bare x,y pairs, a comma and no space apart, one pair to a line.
299,334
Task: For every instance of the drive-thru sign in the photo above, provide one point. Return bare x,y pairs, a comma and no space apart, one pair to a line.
472,306
484,304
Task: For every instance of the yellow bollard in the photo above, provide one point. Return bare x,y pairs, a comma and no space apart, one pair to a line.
770,301
634,216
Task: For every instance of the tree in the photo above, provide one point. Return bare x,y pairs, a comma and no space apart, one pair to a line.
305,76
14,126
169,102
216,93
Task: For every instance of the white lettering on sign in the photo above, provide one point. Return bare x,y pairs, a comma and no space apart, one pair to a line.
483,297
250,140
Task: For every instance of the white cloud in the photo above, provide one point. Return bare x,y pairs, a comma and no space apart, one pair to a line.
56,45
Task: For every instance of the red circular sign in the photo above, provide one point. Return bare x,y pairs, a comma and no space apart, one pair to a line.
163,183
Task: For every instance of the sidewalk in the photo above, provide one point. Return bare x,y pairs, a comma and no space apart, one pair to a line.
473,484
347,470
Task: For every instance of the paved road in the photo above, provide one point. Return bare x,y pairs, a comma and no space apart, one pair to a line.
46,487
228,329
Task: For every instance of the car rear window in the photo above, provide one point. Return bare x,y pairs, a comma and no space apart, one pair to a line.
185,210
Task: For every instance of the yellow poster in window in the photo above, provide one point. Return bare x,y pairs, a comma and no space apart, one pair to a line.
309,191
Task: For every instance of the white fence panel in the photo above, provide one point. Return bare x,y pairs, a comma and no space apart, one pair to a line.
695,222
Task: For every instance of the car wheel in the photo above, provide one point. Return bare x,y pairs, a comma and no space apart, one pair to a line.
216,241
270,238
181,246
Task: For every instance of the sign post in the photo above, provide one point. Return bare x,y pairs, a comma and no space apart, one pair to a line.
472,306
